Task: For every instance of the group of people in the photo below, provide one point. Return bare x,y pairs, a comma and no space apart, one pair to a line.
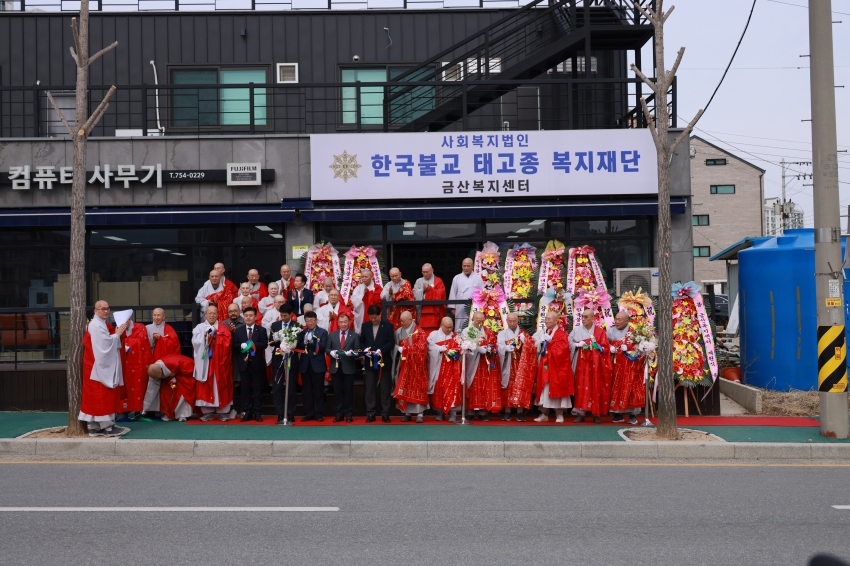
416,358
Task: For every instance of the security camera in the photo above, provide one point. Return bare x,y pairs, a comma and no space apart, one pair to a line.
356,58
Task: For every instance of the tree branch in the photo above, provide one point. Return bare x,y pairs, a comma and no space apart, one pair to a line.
76,39
59,112
106,49
686,131
650,15
649,123
74,56
667,15
101,108
649,83
672,72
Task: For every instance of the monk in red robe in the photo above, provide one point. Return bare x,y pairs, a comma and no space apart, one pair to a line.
215,292
592,368
211,341
161,335
258,289
411,361
628,390
555,381
518,357
230,285
398,289
444,368
483,372
135,359
366,294
429,287
102,374
175,375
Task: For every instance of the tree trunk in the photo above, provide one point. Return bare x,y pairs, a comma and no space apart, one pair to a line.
78,231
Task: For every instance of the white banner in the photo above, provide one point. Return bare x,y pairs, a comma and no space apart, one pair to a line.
377,166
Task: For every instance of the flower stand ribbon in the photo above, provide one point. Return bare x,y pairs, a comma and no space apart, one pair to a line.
322,261
357,258
550,267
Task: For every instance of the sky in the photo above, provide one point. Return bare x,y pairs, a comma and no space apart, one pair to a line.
757,113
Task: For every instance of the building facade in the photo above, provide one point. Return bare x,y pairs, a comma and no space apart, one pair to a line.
203,91
727,193
776,221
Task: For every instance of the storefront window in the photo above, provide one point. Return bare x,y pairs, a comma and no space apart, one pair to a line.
27,276
141,236
35,238
330,232
260,233
619,253
522,230
432,230
588,228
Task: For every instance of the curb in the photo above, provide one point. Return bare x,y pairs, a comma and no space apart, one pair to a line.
334,450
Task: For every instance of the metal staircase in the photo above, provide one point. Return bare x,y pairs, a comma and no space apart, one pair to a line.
494,61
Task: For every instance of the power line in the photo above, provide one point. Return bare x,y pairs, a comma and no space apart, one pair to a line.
760,138
799,6
743,33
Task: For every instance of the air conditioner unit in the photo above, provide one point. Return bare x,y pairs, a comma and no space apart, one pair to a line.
632,278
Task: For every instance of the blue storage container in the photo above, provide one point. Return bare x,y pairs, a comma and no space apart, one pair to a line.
778,311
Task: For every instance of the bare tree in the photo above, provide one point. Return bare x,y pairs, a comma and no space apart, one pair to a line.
83,125
667,425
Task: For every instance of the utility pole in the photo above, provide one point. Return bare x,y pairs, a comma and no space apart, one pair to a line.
832,361
782,204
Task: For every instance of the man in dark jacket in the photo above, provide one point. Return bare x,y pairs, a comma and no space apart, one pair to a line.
279,382
314,341
377,336
343,346
300,295
249,346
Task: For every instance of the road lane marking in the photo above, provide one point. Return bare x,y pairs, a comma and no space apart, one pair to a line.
841,506
163,509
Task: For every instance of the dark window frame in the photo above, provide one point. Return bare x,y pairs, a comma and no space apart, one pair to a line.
218,86
715,190
715,162
698,251
696,220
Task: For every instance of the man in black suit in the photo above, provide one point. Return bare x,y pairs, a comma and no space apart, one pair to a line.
314,341
377,335
249,346
343,367
279,373
300,296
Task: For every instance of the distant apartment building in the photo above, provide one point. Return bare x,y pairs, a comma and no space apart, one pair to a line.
773,216
728,199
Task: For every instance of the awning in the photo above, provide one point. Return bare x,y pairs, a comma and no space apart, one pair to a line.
732,251
312,212
148,216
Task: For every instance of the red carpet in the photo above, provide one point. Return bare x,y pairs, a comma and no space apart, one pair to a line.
497,421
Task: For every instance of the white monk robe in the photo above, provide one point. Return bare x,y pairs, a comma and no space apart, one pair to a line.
462,289
435,358
238,300
106,369
284,285
206,291
357,303
265,305
320,298
545,401
323,315
505,353
267,324
199,343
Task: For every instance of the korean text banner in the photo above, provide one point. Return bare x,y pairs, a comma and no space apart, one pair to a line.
453,165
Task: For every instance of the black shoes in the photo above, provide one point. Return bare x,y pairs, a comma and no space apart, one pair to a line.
618,419
320,419
506,417
349,419
520,417
259,418
484,418
405,418
246,417
385,418
633,420
370,418
597,420
338,419
307,419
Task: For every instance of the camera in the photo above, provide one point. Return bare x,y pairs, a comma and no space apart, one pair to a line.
356,58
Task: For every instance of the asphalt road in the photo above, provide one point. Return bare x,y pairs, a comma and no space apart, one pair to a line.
391,515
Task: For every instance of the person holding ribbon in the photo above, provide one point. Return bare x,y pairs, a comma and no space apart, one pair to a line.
249,345
398,289
483,372
378,342
213,367
555,381
411,357
281,327
591,359
173,375
366,294
429,287
628,392
444,367
519,367
312,343
344,348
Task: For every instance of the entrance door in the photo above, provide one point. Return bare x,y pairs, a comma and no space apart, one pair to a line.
445,257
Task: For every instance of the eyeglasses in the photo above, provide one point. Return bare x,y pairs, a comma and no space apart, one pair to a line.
103,309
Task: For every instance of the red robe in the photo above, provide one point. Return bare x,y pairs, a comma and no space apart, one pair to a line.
369,298
231,286
222,365
261,293
628,390
98,400
447,390
222,300
486,389
555,367
135,358
593,376
180,384
431,316
404,293
168,343
412,384
334,323
523,371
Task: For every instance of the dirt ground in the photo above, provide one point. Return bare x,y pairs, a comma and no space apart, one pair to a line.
58,432
793,403
649,435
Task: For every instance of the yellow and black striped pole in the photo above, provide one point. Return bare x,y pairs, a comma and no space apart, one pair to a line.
832,359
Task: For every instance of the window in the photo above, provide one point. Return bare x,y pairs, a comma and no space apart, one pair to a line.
567,66
432,230
209,107
723,189
406,104
702,251
711,162
287,72
700,219
520,230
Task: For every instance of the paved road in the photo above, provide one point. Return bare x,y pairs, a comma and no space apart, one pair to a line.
393,515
